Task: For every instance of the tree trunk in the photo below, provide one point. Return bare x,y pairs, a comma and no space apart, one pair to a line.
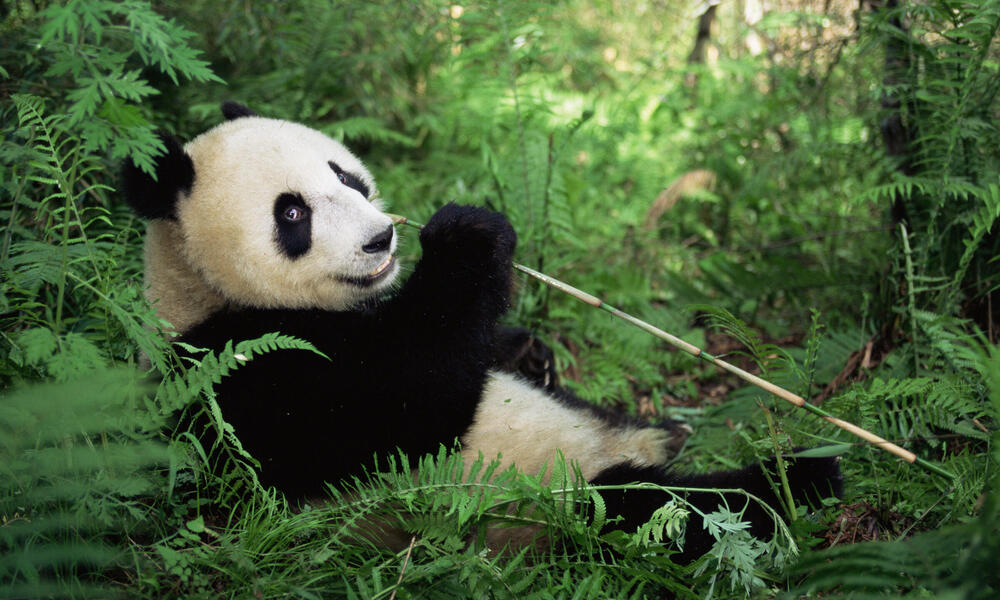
697,56
703,35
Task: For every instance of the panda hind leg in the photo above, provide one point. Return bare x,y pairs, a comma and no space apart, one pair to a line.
646,445
810,479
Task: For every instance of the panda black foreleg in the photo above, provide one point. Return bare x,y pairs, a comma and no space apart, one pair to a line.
463,280
810,479
442,324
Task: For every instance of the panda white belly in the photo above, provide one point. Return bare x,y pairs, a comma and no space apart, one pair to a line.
523,425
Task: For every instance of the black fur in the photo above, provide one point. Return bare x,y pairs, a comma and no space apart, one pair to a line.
234,110
157,198
349,179
810,479
516,350
407,372
294,238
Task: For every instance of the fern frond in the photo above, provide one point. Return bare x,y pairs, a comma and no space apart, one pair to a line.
204,428
76,461
365,128
63,168
983,220
925,562
915,407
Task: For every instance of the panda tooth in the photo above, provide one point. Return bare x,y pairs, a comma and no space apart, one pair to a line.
381,267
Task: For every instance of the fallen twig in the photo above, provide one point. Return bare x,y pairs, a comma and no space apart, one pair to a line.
402,570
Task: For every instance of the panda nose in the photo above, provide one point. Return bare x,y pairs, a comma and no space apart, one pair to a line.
380,242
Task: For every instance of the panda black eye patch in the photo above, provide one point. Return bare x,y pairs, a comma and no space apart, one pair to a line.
349,179
293,231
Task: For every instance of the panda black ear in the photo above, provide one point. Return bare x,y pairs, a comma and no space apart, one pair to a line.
156,198
234,110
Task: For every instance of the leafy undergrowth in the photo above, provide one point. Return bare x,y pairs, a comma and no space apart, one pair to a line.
744,203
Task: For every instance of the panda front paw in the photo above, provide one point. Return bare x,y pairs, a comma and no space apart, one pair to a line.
469,234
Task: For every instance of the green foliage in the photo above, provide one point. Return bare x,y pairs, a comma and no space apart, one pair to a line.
443,518
946,187
76,465
958,561
917,407
92,47
572,118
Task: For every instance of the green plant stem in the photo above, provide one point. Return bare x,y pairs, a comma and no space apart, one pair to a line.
517,105
911,296
64,262
785,487
680,344
9,234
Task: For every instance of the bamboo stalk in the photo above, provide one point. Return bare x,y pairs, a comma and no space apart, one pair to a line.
680,344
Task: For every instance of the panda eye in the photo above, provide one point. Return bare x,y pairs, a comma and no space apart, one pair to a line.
294,214
290,208
349,179
292,225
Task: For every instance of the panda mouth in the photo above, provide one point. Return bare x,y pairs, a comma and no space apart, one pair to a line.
377,274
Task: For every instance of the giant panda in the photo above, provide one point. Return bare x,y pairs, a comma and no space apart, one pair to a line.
261,225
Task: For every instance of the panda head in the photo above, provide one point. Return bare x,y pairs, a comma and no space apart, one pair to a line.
264,213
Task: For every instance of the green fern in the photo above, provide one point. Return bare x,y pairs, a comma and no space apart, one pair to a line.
445,507
948,188
912,408
65,166
91,43
956,561
983,220
177,391
61,280
76,462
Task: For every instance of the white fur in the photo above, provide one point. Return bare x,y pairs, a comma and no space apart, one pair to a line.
222,245
178,292
524,426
